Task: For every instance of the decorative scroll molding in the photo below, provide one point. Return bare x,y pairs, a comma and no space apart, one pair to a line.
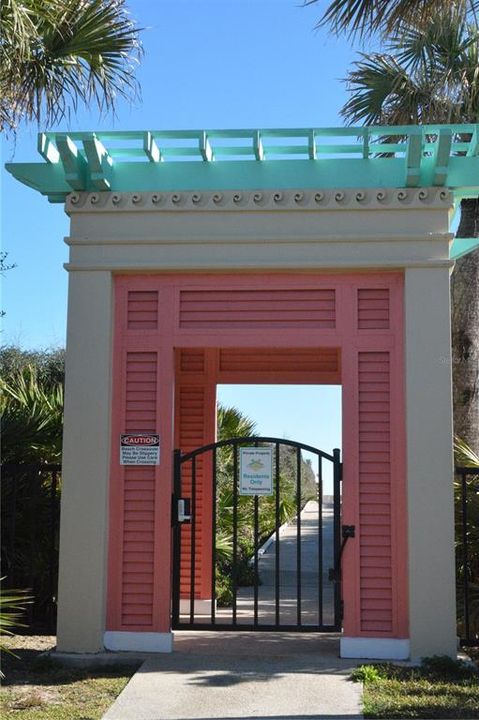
261,200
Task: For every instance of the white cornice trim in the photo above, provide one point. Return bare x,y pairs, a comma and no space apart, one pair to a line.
261,200
84,241
288,266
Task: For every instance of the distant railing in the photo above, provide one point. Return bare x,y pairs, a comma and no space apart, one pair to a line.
467,553
30,516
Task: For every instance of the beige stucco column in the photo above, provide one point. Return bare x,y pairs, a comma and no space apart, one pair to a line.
86,462
429,458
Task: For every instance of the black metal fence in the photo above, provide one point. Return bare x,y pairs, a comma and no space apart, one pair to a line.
466,490
30,516
30,511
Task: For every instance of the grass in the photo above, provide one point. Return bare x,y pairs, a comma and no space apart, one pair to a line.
440,688
37,688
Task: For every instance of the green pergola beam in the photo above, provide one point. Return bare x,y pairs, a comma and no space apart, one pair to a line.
205,148
150,148
462,246
74,164
99,162
442,155
47,149
473,148
258,146
170,160
413,158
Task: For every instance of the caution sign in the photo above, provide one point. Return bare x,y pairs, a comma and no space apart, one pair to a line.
140,449
256,476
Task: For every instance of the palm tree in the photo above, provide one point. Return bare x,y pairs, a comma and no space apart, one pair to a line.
31,418
429,74
365,17
231,422
56,54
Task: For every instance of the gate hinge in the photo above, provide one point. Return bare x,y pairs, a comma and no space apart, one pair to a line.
348,531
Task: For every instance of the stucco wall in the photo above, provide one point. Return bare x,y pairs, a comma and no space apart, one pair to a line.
398,230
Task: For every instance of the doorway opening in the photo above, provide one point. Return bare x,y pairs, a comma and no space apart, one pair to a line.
274,484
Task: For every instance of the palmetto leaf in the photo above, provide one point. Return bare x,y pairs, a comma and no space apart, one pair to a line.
376,83
426,75
233,423
464,455
365,17
12,607
55,54
31,415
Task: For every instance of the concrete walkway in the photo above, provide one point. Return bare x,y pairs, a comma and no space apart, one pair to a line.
313,540
214,675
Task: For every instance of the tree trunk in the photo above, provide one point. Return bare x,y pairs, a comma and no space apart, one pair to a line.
465,331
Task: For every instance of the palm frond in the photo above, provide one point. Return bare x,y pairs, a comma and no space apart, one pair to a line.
427,75
382,92
366,17
12,607
233,423
70,52
31,418
465,455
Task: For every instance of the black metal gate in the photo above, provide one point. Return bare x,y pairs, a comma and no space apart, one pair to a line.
256,540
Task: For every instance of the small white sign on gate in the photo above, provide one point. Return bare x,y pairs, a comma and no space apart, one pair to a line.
256,471
139,449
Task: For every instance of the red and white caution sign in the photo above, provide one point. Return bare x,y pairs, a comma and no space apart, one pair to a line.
139,449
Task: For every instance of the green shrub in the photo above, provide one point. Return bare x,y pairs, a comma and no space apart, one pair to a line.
445,667
367,673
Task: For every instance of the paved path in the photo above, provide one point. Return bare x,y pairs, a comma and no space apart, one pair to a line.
274,676
309,551
311,542
244,675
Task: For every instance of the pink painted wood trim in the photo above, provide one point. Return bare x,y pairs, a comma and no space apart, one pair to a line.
376,561
210,437
350,455
344,335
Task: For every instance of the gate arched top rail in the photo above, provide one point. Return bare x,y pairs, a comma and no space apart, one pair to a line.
235,441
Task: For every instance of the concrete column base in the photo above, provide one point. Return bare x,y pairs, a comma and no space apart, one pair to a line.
138,641
374,648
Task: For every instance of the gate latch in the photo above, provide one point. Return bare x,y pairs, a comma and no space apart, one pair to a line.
347,531
184,510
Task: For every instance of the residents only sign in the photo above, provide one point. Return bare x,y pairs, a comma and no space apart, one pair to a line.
256,471
139,449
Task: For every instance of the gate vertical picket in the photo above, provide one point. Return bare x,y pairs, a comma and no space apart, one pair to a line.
277,547
213,543
298,536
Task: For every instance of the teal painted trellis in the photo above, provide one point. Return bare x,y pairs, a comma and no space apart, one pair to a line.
163,160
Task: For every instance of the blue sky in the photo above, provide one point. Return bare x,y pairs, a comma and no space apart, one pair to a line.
207,63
